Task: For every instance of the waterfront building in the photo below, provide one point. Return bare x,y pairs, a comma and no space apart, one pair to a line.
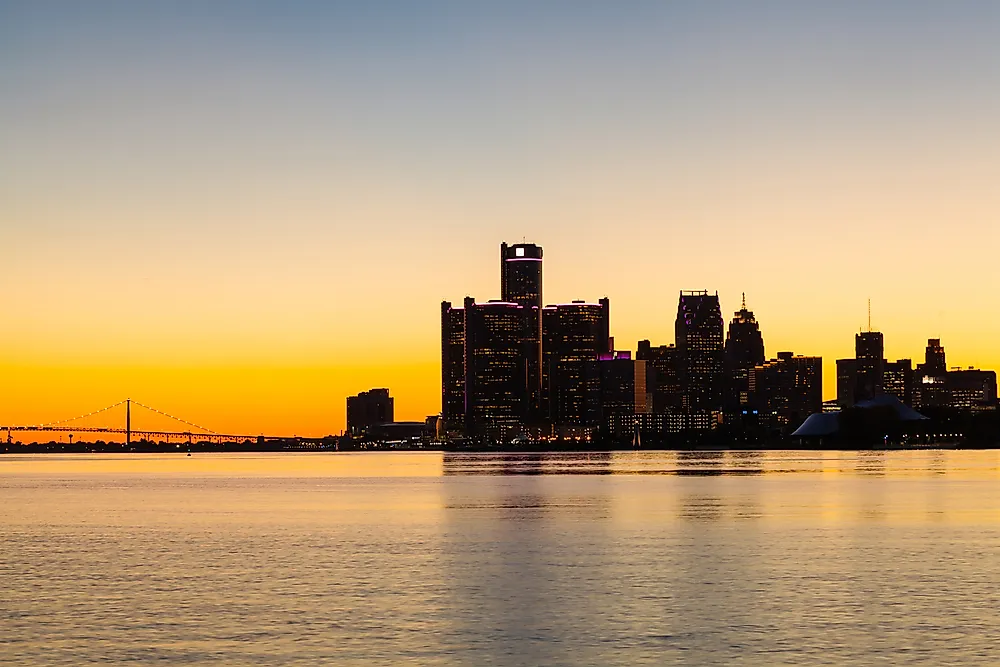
744,350
367,410
663,376
654,427
623,394
935,363
521,274
699,338
869,354
971,389
574,335
452,368
787,389
897,380
497,355
521,283
847,382
930,382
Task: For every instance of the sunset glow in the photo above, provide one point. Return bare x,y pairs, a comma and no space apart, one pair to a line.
242,218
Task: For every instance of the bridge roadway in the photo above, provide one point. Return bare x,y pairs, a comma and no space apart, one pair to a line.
207,435
185,436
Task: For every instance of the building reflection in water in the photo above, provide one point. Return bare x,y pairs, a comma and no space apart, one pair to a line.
527,463
871,463
685,463
521,549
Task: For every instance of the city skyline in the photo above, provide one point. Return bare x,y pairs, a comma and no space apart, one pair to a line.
707,379
244,218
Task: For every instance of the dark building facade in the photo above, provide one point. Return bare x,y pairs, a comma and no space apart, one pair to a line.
788,389
521,274
744,350
521,283
869,353
498,350
663,376
897,380
574,335
368,410
930,382
622,395
847,382
935,363
971,389
698,334
452,368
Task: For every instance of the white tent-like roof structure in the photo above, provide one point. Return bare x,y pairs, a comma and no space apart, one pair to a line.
903,411
828,423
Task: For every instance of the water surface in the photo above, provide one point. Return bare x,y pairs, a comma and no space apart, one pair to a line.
448,559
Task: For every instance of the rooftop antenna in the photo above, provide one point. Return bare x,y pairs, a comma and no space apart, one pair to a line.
744,300
869,315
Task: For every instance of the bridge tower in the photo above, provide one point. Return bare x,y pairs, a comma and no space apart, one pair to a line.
128,422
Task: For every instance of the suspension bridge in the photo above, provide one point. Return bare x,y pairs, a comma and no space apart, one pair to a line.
194,432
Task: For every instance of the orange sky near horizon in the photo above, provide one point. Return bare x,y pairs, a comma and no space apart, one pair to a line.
243,216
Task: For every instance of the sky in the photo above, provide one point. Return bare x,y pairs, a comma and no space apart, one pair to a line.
242,212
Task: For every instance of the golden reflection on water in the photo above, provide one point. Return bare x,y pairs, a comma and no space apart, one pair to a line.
971,464
281,464
456,559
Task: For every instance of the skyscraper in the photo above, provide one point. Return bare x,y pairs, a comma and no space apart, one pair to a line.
623,394
744,350
663,376
870,356
496,399
972,388
521,274
452,367
847,382
573,336
368,409
897,380
935,363
787,390
521,283
930,384
698,331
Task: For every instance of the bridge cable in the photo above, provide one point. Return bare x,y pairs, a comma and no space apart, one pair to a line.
183,421
89,414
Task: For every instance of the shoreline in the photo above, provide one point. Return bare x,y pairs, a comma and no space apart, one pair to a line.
91,448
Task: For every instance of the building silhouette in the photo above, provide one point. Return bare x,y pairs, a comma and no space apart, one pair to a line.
521,274
744,350
935,363
847,382
971,389
368,410
870,357
497,357
786,390
521,283
897,380
934,386
452,368
930,382
623,394
663,376
574,335
698,336
513,370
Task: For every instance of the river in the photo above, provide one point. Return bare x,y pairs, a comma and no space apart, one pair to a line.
708,558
